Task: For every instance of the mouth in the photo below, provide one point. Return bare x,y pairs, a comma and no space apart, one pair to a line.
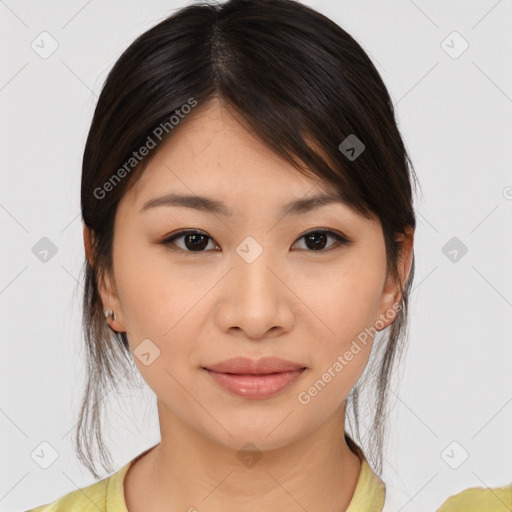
255,385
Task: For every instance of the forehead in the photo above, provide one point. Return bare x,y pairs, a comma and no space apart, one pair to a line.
211,153
223,168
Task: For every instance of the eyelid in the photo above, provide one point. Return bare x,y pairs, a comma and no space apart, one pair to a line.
327,231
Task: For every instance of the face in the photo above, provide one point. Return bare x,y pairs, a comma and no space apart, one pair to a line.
252,280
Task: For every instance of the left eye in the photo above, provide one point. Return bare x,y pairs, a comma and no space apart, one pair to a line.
197,241
315,240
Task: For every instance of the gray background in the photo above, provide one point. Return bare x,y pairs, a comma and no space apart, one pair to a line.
454,112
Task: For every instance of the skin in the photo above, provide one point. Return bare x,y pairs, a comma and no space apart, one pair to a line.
200,308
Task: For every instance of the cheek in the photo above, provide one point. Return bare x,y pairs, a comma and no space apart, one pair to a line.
345,302
154,302
346,311
154,294
164,303
157,309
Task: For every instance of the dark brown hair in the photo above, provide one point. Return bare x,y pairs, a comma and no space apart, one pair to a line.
302,85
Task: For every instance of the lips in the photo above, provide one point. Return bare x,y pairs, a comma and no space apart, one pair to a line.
247,366
255,379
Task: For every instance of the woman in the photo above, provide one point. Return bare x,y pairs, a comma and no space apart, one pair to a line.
248,228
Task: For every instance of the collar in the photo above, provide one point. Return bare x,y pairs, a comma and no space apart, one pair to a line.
369,494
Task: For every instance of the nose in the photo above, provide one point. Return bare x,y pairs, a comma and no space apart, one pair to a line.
256,299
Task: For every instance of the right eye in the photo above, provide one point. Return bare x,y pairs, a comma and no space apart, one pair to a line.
194,241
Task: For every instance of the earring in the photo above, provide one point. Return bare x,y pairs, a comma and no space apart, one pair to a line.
110,316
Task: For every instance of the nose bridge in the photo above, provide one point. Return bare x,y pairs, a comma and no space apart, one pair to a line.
254,262
255,300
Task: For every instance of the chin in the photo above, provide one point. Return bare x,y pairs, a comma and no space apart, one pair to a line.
270,433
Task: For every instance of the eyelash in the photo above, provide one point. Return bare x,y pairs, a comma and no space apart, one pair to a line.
340,240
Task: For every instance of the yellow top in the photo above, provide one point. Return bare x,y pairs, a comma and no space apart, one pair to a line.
107,495
478,499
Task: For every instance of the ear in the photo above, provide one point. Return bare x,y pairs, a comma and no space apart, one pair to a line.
391,294
106,285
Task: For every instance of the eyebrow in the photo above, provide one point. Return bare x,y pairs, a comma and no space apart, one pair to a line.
209,205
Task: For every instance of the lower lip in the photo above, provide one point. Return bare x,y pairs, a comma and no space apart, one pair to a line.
255,386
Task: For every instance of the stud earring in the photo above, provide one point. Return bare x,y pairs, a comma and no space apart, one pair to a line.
110,316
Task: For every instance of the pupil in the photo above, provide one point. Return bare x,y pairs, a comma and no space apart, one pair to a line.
314,237
196,241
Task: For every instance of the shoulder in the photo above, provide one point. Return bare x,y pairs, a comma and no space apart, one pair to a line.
478,499
106,494
91,498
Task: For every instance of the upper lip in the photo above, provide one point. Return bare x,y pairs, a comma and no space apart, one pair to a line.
264,365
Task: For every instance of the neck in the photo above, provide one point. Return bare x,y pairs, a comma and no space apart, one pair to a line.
189,470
